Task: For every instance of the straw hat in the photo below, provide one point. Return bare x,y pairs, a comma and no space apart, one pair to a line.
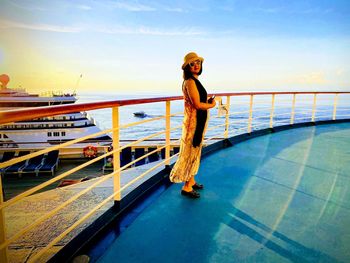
190,57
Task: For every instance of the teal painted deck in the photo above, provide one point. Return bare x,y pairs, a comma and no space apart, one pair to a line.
282,197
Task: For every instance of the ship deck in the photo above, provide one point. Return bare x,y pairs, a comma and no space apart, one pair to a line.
281,197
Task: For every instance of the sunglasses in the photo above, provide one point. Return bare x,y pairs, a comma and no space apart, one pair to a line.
197,62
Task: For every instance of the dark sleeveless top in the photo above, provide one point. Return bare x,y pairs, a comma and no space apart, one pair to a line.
201,114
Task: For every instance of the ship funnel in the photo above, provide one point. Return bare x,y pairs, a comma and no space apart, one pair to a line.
4,79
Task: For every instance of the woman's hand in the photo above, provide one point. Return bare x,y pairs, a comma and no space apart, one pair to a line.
213,103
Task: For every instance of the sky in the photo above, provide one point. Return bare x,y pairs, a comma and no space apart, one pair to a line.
138,46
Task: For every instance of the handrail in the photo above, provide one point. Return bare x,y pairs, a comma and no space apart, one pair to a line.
52,148
86,216
71,142
77,168
38,112
73,198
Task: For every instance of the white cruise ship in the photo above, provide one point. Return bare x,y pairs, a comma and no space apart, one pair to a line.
43,132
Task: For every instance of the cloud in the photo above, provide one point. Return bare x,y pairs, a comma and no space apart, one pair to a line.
315,10
228,6
132,6
84,7
174,9
312,78
175,32
143,30
118,29
340,72
293,10
26,7
269,10
39,27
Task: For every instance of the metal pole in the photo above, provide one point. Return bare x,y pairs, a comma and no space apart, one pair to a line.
167,134
335,106
314,108
116,155
293,110
272,110
227,121
250,114
3,252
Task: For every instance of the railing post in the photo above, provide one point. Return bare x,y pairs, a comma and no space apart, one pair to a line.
250,114
293,110
314,108
227,121
116,155
335,106
167,134
3,252
272,110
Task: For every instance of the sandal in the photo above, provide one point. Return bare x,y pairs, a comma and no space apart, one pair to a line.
192,194
198,186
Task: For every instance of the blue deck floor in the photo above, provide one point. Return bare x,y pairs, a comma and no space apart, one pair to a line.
282,197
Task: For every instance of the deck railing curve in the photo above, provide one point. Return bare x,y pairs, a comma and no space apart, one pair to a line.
236,113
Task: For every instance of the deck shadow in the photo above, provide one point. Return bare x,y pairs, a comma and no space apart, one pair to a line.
300,254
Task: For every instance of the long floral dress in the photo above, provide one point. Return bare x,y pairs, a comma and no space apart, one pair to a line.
189,156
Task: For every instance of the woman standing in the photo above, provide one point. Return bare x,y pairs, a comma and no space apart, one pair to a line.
194,125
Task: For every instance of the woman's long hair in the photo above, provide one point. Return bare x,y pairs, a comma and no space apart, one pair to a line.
187,71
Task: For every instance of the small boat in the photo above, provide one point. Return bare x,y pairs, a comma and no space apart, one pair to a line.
140,114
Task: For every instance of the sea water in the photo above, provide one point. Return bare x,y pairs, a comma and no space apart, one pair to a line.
239,113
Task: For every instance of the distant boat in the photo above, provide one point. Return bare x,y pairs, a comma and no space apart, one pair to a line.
140,114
